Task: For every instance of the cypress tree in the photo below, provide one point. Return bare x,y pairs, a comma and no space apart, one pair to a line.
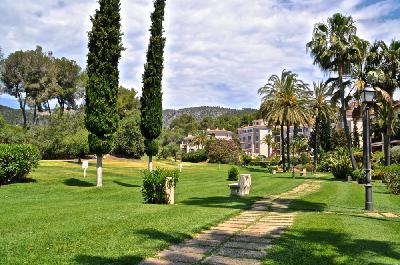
151,100
101,116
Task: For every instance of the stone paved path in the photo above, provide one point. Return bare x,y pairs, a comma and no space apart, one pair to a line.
241,240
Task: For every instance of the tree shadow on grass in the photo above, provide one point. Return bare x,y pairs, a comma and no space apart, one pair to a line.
78,183
126,184
95,260
26,180
312,246
232,202
154,234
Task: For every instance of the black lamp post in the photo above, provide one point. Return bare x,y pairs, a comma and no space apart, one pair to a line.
367,95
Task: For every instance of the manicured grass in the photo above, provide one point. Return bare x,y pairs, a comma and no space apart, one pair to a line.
63,219
333,228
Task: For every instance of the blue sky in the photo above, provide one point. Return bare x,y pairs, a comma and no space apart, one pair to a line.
217,52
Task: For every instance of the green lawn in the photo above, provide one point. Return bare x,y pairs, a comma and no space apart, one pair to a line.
333,229
63,219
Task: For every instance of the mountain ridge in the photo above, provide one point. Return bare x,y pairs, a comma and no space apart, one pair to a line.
14,116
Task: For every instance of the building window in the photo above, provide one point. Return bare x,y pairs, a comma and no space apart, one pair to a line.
249,138
256,137
257,145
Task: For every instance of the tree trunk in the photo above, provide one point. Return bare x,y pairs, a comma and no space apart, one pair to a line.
99,171
288,144
150,163
283,149
388,134
344,119
34,114
22,106
316,143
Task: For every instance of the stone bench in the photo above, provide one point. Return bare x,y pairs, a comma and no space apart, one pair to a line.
241,188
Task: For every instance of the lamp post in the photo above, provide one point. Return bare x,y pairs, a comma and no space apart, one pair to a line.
368,95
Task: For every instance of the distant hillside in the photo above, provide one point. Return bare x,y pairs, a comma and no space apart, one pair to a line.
14,116
200,112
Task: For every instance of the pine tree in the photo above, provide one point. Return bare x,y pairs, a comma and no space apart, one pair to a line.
101,116
151,100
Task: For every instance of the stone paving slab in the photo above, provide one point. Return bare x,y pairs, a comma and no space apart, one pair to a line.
178,256
240,240
153,261
219,260
389,215
240,253
202,242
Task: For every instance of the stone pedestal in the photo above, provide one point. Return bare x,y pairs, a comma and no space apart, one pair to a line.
170,190
303,172
273,172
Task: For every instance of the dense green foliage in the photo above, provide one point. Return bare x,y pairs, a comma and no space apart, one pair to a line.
151,100
101,114
233,173
11,134
155,184
223,151
195,157
246,159
391,176
35,78
63,137
395,154
16,161
340,164
129,141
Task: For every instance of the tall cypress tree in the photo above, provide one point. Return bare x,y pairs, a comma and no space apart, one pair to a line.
151,100
101,116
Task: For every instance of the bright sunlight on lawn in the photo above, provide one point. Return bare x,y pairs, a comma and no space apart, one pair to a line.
64,219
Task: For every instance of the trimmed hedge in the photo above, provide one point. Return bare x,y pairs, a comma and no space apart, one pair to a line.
195,157
155,183
16,161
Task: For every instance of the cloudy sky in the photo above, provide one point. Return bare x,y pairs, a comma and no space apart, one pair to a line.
219,52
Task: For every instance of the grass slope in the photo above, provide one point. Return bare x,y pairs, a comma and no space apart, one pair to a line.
63,219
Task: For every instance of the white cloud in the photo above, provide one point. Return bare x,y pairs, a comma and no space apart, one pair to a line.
217,53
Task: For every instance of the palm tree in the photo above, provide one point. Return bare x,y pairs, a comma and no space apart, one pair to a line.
383,74
333,47
322,111
200,138
285,101
268,140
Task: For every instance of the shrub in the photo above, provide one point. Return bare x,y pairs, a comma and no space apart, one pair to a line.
359,176
224,151
195,157
274,161
262,164
377,158
246,160
309,167
16,161
304,158
378,173
392,178
64,137
155,184
340,164
395,154
269,169
12,134
233,173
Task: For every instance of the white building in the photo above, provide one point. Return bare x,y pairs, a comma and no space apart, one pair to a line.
188,144
251,138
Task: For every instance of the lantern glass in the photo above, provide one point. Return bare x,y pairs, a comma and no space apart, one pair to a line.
368,95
